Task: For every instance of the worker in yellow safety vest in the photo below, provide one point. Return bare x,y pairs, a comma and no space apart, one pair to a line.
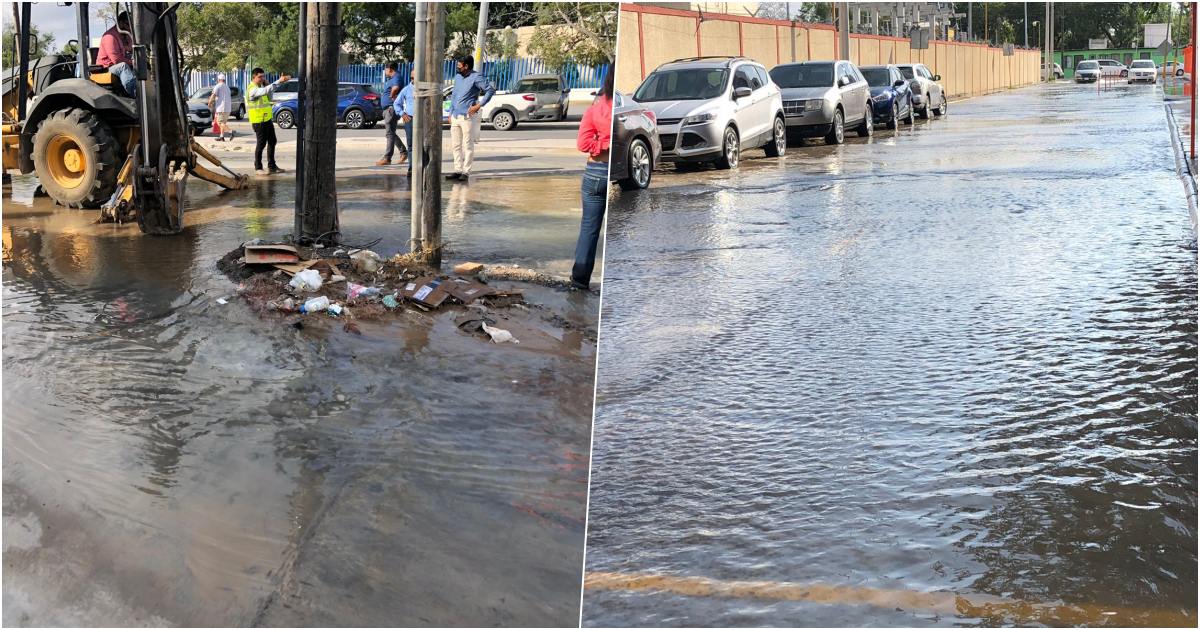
258,103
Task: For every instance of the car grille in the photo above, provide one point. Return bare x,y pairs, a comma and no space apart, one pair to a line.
203,112
666,122
793,108
668,141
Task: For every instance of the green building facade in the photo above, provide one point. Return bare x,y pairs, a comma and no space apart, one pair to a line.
1068,59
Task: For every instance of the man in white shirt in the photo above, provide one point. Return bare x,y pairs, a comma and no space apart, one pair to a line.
219,102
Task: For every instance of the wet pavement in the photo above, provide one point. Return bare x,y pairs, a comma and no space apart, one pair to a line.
172,461
944,377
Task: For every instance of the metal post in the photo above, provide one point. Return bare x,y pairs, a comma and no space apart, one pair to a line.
23,52
1046,46
1192,85
1026,23
481,36
416,182
301,74
970,22
84,38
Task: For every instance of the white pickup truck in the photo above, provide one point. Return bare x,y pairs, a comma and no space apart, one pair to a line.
535,97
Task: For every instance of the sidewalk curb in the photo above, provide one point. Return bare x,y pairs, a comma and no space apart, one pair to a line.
1183,167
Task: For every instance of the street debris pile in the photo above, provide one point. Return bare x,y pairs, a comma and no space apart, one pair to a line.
358,284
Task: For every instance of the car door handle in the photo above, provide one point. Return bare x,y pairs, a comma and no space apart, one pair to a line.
622,118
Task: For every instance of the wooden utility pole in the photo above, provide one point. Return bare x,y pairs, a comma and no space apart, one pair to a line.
319,218
427,163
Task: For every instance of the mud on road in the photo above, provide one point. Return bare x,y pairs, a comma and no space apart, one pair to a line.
172,460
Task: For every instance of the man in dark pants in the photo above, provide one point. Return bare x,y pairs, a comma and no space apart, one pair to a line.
404,107
391,89
259,110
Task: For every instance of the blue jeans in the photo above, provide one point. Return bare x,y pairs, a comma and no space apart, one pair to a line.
124,74
595,199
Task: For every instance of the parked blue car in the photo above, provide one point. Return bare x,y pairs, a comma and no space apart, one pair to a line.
891,97
358,108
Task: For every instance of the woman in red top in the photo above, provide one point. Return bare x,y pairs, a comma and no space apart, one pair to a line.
595,136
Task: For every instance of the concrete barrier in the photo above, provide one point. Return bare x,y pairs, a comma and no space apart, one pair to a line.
651,35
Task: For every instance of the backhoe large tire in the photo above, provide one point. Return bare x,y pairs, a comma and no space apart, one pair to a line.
76,157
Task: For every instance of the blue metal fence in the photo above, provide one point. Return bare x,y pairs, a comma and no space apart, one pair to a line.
503,73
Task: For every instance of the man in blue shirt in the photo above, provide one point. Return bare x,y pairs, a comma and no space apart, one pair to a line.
390,89
471,92
404,108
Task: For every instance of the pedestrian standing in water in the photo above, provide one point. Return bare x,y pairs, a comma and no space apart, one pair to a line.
262,119
471,92
391,90
404,107
595,136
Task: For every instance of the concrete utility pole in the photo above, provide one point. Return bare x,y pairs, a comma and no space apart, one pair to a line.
481,36
301,71
844,30
319,220
426,239
970,23
1026,23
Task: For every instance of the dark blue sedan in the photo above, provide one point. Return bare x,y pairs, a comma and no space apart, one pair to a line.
358,108
891,97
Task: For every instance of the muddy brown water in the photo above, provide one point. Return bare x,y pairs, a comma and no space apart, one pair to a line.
943,377
169,460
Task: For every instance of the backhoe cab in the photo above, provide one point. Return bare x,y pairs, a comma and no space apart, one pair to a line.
92,144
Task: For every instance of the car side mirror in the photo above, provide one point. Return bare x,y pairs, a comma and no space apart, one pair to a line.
843,81
741,92
899,83
937,77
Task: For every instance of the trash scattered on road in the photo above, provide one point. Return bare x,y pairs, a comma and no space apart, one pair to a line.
354,291
222,301
366,261
315,305
468,268
498,335
269,253
308,281
335,309
389,301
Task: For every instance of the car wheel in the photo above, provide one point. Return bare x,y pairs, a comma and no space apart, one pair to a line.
731,150
777,145
867,127
241,112
503,121
641,166
894,121
285,119
354,119
941,110
837,130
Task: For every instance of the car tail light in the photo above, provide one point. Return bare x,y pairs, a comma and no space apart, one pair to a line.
651,116
371,97
529,97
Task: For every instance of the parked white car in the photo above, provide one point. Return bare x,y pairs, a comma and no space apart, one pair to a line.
1087,71
1112,68
1171,68
1143,70
928,94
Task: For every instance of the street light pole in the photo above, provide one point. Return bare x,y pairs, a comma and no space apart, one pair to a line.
1026,23
481,36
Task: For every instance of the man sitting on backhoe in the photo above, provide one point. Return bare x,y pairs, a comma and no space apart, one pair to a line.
116,48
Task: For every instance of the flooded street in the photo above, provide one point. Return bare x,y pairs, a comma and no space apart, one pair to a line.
172,461
943,377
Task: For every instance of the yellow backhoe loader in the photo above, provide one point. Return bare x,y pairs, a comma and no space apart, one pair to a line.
93,145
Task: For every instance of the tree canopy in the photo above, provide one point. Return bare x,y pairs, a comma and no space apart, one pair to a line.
41,44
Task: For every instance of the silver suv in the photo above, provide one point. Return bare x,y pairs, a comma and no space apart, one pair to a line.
713,108
823,98
928,93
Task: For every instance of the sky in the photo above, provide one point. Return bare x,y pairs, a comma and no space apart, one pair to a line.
56,18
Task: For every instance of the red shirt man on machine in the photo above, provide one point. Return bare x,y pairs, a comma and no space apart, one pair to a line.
116,48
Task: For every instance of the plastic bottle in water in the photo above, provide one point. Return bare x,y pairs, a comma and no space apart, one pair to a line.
315,305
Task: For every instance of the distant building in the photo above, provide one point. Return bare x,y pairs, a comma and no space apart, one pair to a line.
1098,43
1153,35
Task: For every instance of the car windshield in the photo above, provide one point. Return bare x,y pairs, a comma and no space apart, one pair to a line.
877,77
1143,64
682,85
202,94
803,75
907,71
1087,65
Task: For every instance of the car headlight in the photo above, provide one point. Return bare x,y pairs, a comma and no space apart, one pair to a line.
881,98
813,105
699,119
